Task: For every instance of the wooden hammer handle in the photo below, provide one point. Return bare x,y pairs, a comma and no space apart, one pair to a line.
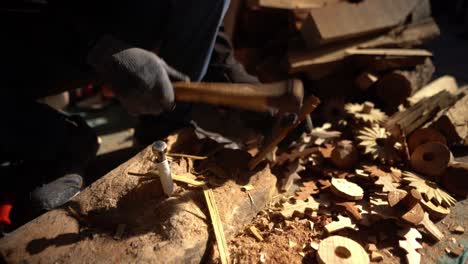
284,96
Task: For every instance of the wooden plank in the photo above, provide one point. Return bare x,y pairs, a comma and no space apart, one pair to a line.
390,52
320,62
292,4
346,20
453,122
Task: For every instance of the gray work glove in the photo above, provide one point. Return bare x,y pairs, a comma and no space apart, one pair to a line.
139,78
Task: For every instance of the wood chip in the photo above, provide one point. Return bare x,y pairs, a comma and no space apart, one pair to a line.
120,231
351,210
346,189
371,247
342,223
458,230
299,207
256,233
376,257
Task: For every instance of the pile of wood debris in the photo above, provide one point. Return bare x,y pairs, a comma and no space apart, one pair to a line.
383,156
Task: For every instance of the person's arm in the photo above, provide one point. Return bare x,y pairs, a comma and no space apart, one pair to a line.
140,79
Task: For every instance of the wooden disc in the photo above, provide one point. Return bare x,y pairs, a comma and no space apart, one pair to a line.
423,136
346,189
431,158
341,250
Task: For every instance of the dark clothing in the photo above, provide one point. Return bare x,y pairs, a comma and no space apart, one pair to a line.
44,50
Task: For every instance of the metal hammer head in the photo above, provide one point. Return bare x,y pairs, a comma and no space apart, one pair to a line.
291,99
159,150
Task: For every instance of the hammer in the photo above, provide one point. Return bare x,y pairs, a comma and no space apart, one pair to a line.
285,96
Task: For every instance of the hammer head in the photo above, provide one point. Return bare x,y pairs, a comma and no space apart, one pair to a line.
291,100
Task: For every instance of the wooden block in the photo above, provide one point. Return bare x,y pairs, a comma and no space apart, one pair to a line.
347,20
338,249
156,227
453,122
346,189
417,115
291,4
321,62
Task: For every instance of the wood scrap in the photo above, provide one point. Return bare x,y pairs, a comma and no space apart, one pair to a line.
418,114
299,207
346,189
365,80
351,20
344,155
217,225
307,189
429,190
453,122
424,135
351,210
294,155
387,182
256,233
431,159
342,223
444,83
338,249
410,245
431,228
380,60
365,113
322,62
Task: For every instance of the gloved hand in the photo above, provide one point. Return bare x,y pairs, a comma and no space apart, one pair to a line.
139,78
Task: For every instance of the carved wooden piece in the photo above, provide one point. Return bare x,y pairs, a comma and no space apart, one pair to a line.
453,122
338,249
342,223
346,189
410,245
431,158
424,135
407,205
431,228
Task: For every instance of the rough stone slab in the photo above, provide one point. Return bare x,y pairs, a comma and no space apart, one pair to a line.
174,230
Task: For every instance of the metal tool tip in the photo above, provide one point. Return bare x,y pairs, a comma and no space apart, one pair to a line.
159,146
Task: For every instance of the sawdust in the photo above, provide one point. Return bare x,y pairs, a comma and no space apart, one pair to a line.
275,247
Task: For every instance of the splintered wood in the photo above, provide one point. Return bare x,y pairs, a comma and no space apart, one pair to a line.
217,225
